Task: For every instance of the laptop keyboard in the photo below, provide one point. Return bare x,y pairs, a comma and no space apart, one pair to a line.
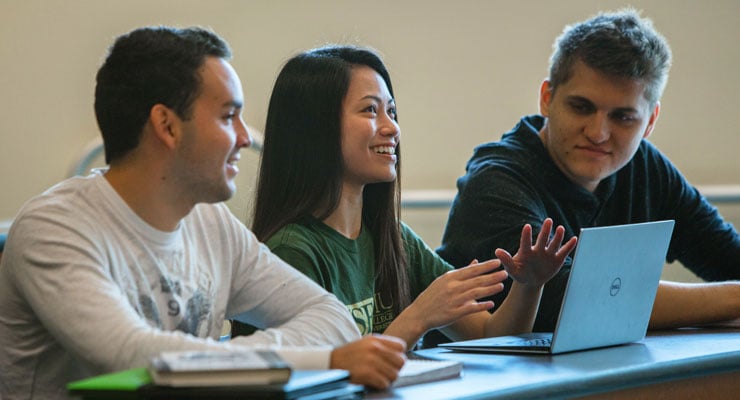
538,342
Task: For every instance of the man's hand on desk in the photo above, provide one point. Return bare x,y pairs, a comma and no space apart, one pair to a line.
373,361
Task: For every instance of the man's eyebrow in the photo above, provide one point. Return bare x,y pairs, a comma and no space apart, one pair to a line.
628,110
588,101
579,98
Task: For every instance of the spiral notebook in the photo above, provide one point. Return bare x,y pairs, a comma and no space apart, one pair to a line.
421,370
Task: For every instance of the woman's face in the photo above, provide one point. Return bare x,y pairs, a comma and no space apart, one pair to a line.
370,133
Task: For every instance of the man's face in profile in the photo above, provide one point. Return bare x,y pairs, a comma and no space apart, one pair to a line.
211,139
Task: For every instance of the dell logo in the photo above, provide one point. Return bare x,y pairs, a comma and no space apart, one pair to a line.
616,285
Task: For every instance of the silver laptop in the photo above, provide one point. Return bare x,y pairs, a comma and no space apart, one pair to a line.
609,295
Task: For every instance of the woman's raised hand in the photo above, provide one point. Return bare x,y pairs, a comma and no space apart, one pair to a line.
534,264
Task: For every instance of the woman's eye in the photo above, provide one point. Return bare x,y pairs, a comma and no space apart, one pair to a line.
228,117
371,109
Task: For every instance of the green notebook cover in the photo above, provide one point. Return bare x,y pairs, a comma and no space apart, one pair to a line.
136,384
128,380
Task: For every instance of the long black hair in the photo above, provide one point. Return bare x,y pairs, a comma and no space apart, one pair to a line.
302,167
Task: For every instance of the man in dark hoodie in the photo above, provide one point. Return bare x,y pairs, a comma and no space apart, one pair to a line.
584,162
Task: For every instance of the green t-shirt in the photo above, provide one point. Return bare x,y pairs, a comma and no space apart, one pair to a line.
346,267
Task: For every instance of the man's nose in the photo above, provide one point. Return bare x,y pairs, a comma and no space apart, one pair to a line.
598,128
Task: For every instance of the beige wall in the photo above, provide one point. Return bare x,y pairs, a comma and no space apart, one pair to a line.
463,72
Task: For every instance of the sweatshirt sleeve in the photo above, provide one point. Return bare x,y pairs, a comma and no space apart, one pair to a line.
290,308
84,311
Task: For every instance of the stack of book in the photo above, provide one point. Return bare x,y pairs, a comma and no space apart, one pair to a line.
219,368
217,375
254,374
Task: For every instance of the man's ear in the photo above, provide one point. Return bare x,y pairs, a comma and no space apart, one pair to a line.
651,123
545,98
165,124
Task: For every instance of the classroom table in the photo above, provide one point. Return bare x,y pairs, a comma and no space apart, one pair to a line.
688,363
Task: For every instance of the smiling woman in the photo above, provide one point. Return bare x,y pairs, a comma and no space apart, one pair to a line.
328,204
330,106
370,132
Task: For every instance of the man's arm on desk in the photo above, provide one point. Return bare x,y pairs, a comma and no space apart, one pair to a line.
691,304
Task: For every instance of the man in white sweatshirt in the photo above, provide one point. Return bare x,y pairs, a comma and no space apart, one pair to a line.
101,273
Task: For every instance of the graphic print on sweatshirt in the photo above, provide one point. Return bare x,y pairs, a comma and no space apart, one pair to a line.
372,315
173,295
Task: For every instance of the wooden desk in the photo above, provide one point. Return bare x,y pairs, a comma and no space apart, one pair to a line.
686,363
